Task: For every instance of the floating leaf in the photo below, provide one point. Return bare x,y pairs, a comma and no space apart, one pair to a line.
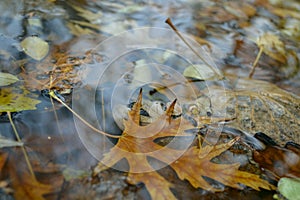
35,47
289,188
16,99
136,149
7,79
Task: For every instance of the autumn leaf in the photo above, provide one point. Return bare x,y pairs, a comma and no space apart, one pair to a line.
280,161
227,174
136,148
14,99
3,158
25,185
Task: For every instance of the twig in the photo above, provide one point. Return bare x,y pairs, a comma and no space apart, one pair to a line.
169,22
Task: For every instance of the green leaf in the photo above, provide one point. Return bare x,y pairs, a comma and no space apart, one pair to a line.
7,79
289,188
16,99
35,47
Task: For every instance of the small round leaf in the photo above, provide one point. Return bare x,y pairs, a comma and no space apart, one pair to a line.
35,47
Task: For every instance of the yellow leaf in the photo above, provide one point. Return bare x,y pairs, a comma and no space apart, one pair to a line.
16,99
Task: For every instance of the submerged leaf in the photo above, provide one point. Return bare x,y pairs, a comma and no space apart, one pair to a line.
227,174
3,158
27,187
7,79
280,161
16,99
200,72
35,47
4,142
137,144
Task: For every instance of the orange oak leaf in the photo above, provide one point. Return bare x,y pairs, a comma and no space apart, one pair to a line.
227,174
137,145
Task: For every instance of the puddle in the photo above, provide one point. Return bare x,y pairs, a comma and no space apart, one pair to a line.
95,78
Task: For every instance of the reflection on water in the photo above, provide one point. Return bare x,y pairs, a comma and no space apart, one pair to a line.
74,28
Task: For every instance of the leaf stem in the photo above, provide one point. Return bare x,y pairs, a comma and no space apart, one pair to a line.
261,48
51,93
22,147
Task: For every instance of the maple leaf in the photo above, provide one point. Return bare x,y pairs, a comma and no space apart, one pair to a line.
136,144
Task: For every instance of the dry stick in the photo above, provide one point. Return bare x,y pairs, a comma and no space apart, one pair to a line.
23,148
169,22
261,48
51,93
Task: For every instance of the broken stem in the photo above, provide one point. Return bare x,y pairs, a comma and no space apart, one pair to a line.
22,147
169,22
261,48
51,93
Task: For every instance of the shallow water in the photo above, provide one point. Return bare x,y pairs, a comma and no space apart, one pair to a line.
74,30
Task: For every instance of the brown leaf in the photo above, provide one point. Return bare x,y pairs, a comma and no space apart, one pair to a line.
25,185
3,158
282,162
227,174
136,148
